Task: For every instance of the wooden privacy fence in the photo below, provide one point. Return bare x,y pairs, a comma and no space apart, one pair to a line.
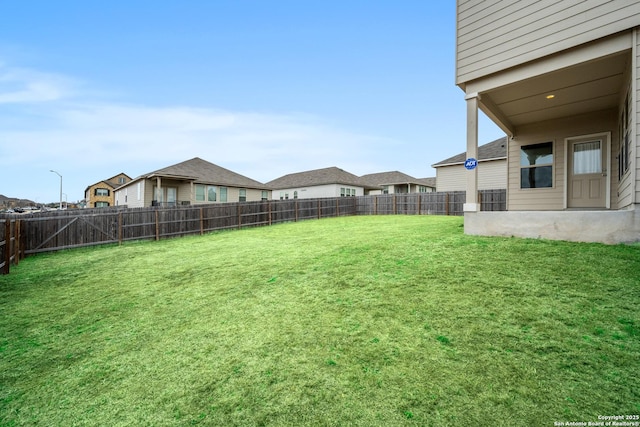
33,233
9,244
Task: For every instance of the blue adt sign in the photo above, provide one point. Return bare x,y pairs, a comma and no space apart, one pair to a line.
470,163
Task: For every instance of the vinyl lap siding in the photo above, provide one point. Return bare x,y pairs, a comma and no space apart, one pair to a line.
635,151
556,131
492,175
493,35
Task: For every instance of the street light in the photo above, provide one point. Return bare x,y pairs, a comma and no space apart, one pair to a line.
51,170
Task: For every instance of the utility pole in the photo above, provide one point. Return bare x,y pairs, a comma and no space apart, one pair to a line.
51,170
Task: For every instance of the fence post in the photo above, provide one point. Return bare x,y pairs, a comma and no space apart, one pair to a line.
295,209
17,242
419,202
157,227
395,204
375,205
337,207
201,220
446,203
269,212
119,228
319,210
239,215
7,246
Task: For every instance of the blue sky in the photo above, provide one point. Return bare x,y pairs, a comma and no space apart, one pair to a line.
264,88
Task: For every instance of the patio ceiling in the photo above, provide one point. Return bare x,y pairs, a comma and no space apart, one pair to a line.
591,86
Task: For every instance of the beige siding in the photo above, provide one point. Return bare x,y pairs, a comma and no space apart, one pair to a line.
624,188
493,35
635,104
492,175
316,191
555,131
451,178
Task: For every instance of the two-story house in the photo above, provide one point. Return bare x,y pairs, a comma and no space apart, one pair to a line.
561,79
102,194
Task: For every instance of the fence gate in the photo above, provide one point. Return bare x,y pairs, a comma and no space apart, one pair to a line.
62,232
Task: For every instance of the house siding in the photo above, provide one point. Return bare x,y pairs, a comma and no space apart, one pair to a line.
635,115
493,35
492,175
316,191
555,131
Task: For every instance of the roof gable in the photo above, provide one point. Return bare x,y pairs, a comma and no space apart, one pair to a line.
493,150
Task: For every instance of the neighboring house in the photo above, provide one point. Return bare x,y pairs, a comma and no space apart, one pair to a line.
451,175
327,182
397,182
102,194
429,182
561,80
194,181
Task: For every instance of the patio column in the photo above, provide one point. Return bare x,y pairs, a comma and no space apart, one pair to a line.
159,191
472,152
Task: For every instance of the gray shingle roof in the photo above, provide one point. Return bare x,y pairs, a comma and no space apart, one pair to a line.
332,175
494,150
389,178
205,172
429,182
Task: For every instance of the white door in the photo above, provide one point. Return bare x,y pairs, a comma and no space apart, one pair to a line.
587,178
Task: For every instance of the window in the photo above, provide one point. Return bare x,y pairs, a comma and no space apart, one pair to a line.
121,180
536,165
172,196
102,204
282,195
101,192
199,193
385,189
223,194
295,194
243,195
587,157
342,192
211,194
624,132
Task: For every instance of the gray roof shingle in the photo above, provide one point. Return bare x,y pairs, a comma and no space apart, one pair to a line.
201,171
331,175
493,150
389,178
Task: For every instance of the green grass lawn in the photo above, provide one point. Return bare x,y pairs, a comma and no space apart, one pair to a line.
378,320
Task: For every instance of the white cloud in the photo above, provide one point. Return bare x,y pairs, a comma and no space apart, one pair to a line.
22,86
47,123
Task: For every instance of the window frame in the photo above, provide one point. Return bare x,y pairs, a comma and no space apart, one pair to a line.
522,167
